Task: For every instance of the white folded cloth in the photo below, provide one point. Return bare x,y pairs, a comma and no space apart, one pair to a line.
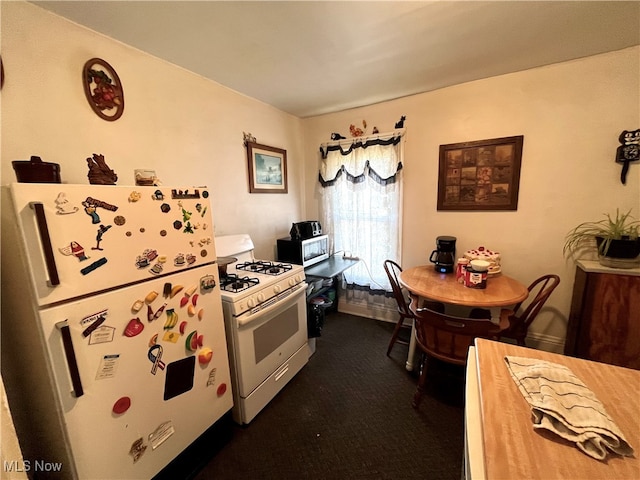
562,403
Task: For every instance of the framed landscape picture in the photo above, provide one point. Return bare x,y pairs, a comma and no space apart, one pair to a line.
267,169
480,175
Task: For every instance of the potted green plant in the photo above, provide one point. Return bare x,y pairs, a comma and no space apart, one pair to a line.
616,240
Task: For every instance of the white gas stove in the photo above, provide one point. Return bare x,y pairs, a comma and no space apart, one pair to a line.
252,285
265,314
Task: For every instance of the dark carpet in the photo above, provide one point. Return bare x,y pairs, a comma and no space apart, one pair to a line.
348,415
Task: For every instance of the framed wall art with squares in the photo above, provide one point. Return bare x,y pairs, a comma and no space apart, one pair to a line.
480,175
267,168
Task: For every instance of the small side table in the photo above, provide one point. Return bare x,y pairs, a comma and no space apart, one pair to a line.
330,268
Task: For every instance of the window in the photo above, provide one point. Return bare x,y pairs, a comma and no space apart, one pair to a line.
361,190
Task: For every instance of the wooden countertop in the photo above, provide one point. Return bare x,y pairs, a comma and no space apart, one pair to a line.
501,290
513,450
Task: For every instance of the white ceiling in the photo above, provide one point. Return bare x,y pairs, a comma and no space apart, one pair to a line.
313,57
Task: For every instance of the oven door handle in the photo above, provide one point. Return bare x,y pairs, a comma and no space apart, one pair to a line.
292,298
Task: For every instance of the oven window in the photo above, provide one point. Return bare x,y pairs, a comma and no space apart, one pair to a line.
268,337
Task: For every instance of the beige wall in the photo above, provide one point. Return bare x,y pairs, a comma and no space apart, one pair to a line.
185,127
570,115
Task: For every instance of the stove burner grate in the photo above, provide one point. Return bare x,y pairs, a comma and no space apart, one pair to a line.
233,283
265,267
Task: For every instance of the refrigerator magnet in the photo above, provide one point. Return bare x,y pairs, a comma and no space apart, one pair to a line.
90,210
134,327
179,377
98,263
121,405
184,194
205,241
63,207
155,357
204,356
172,319
137,305
108,366
134,196
90,319
89,330
157,195
101,231
222,389
158,312
137,449
75,249
172,337
99,203
102,334
207,282
212,377
161,434
151,296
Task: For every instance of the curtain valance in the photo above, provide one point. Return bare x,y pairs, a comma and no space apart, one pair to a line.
378,158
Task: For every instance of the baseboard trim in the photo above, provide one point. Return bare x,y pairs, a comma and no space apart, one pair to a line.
545,342
362,310
387,313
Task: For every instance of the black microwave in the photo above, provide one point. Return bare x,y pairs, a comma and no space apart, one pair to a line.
303,252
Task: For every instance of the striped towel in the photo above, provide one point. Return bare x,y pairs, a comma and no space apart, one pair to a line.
562,404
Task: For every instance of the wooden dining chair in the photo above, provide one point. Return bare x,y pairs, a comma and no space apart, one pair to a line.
393,271
447,338
519,318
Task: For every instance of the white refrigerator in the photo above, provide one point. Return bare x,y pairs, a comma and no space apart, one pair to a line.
113,345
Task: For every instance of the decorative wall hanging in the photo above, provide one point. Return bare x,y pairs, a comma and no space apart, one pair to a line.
480,175
99,171
267,169
103,89
628,151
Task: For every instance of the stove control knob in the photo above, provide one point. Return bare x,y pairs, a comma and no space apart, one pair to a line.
260,297
251,303
292,282
277,289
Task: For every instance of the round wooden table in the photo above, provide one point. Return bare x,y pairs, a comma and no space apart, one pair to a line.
424,281
501,290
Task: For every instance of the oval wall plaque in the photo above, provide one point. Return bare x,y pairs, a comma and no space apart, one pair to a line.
103,89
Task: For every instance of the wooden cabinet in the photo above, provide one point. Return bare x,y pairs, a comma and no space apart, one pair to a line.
604,323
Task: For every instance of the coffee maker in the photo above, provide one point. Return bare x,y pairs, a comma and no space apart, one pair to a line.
445,254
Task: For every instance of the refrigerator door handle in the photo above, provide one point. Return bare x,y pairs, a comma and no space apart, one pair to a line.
71,358
45,241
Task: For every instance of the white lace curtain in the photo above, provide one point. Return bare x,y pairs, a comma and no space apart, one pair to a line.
361,191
